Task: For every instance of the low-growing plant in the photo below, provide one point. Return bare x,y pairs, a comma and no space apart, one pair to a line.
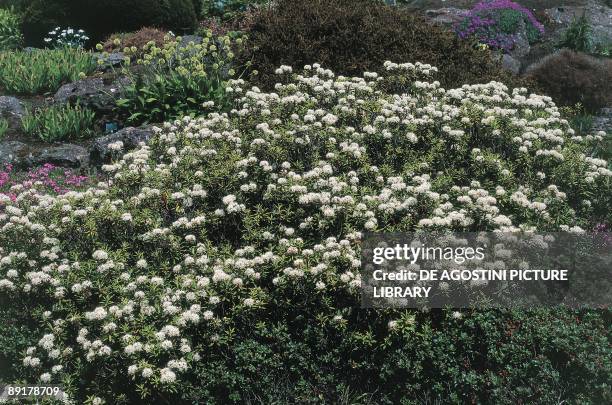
178,78
219,263
134,43
10,34
4,126
573,77
59,122
43,70
298,33
70,37
48,178
497,23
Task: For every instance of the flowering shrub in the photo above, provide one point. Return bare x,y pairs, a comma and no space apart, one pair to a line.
217,262
70,37
178,78
497,22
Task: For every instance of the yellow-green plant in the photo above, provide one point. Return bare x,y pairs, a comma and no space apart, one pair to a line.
59,122
178,78
42,70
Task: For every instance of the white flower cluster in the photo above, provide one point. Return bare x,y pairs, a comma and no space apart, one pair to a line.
69,37
218,215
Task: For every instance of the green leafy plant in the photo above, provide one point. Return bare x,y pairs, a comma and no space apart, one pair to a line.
578,36
299,33
603,49
178,79
59,123
4,126
42,70
580,120
10,34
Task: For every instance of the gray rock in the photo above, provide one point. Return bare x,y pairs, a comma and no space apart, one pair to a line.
11,152
446,15
511,64
521,44
92,92
22,155
598,15
99,151
185,40
112,60
12,110
65,155
603,121
11,106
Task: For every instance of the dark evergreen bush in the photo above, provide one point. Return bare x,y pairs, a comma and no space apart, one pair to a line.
353,36
574,77
99,18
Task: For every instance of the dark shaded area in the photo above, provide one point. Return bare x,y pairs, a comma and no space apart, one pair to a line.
100,18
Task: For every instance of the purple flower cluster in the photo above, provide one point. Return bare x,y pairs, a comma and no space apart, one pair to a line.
483,22
508,5
53,178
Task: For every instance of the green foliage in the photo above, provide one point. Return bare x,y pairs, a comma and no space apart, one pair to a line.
580,120
177,79
10,34
59,123
324,31
4,126
42,70
578,36
573,77
603,49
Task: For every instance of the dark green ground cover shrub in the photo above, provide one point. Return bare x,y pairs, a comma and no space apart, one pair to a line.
483,357
352,36
100,18
573,77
